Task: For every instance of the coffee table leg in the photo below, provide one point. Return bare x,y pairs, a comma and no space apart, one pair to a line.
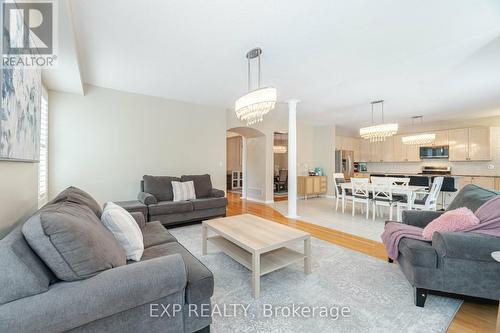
307,253
204,238
256,275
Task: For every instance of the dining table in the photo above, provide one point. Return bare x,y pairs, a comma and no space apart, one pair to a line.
410,191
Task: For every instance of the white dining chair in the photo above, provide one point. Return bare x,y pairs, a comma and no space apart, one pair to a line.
338,178
382,195
400,181
361,194
428,202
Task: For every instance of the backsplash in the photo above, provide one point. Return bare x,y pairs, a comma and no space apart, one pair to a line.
457,168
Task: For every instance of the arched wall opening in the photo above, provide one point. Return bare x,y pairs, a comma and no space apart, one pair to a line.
249,146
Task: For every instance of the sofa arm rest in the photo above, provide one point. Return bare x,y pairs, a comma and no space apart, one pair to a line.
215,193
147,198
465,245
72,304
139,218
420,218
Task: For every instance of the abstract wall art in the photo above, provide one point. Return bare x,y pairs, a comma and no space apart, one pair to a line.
20,114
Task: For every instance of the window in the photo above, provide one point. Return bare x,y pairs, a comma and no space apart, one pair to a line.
43,167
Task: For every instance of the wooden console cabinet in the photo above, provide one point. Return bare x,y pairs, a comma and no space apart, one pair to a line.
311,185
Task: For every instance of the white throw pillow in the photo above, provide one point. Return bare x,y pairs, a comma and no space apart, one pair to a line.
125,229
183,190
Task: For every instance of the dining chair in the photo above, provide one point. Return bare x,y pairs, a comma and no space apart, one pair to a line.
382,195
428,202
400,181
361,194
338,178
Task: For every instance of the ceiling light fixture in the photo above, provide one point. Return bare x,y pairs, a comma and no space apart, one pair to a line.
378,133
418,139
280,149
253,106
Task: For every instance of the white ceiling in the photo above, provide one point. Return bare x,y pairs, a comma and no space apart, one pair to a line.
438,58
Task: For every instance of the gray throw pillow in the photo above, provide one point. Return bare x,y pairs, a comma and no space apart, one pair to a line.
76,195
72,241
202,184
160,186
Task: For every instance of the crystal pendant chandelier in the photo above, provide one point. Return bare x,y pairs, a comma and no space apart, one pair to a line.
280,140
418,139
253,106
378,133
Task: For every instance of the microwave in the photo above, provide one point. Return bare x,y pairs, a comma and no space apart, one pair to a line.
434,152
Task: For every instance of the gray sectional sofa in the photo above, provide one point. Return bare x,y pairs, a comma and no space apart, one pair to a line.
156,193
454,262
120,297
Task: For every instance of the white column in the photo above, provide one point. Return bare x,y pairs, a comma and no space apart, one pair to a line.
292,158
244,167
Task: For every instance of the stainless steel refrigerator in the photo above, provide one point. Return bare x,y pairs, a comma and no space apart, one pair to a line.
344,162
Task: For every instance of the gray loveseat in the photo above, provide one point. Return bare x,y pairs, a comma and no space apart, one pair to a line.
455,262
156,193
128,298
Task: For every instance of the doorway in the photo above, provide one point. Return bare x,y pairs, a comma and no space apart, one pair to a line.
280,154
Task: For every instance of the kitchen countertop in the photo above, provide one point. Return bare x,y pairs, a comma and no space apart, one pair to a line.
424,175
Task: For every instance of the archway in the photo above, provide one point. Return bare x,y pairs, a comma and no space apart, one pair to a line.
250,146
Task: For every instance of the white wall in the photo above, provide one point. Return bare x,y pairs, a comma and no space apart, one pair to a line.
18,193
105,141
256,168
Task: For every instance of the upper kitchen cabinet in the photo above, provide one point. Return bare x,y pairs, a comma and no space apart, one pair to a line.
479,144
387,152
364,151
441,138
470,144
399,148
356,147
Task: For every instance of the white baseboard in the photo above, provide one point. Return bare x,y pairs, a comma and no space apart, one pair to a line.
259,201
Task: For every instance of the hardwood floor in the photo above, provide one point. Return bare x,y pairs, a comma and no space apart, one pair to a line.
473,316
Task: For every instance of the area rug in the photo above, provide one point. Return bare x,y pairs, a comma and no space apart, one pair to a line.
373,294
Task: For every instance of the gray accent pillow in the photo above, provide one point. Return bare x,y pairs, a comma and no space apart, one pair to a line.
202,184
76,195
72,241
160,186
23,274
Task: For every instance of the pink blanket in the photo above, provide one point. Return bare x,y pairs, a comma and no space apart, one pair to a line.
489,223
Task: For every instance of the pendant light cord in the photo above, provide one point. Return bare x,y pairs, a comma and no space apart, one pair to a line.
248,69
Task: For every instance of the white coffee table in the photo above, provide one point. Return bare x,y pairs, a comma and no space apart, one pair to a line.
258,244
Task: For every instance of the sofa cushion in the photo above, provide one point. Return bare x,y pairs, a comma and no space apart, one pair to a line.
154,233
200,281
208,203
472,197
202,184
419,253
76,195
23,274
72,241
160,186
125,230
170,207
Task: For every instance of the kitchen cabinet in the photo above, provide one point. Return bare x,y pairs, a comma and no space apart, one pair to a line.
311,185
387,150
470,144
338,142
376,152
364,151
356,147
497,184
484,182
399,149
412,153
479,144
441,138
